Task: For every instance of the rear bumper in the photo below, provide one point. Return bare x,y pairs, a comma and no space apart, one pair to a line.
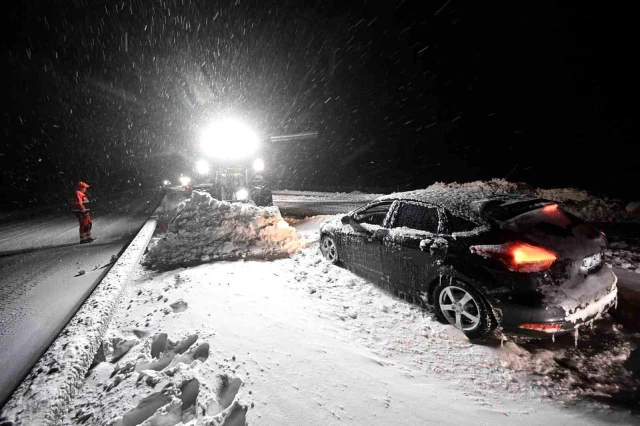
547,320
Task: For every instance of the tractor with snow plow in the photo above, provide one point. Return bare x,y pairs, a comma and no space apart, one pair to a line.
232,168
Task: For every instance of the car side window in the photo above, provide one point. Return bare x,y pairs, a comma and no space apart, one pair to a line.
418,217
459,224
374,215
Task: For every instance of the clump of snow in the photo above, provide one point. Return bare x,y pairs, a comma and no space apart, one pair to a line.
624,255
591,297
595,309
203,229
633,209
576,201
163,382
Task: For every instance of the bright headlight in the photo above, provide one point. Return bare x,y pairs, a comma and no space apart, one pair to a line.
166,183
258,165
228,140
202,167
184,180
242,194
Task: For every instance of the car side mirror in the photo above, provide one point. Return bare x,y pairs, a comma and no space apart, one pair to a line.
347,220
426,244
434,245
351,221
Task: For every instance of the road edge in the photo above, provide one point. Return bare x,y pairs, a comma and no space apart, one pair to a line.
44,396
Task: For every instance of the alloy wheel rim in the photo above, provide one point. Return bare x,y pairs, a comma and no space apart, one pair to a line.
459,308
329,249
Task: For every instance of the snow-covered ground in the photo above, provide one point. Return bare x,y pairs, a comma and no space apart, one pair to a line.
297,341
624,254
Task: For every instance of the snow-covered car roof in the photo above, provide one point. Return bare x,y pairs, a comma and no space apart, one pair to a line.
463,202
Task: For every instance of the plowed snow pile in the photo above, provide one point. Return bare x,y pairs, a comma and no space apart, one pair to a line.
204,229
574,200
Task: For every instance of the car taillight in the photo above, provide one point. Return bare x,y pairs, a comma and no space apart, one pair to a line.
518,256
547,328
549,208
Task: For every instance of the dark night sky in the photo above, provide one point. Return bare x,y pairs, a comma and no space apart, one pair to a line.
402,93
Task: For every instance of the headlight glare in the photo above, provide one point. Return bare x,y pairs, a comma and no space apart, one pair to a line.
242,195
202,167
258,165
228,140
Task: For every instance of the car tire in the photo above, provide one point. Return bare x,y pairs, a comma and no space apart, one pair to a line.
329,249
473,316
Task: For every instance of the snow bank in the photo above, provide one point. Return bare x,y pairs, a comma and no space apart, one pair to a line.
577,201
203,229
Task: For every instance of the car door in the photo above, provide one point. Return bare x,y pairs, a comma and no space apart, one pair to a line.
406,266
361,245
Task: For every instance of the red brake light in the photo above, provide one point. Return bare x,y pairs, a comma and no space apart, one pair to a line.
547,328
518,256
549,208
524,253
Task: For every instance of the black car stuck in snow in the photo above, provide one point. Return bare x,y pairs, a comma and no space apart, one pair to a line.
482,260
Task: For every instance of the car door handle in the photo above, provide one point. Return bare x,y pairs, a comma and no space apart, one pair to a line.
425,244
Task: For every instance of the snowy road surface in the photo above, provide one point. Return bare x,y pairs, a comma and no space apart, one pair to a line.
40,285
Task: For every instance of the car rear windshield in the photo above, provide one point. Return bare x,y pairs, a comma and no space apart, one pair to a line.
501,210
556,222
459,224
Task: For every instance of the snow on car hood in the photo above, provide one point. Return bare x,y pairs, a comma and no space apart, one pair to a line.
203,229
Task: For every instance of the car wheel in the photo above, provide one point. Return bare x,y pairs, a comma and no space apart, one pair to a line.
329,249
460,305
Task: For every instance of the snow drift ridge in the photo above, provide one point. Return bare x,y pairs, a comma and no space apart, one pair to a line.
574,200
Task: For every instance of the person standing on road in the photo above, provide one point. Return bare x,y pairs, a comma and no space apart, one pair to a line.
78,206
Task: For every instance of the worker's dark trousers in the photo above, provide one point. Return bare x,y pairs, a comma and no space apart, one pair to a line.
85,226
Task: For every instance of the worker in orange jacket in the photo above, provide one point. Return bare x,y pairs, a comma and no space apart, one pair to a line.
78,206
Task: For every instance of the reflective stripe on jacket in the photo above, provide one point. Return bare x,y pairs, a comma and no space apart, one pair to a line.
79,201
